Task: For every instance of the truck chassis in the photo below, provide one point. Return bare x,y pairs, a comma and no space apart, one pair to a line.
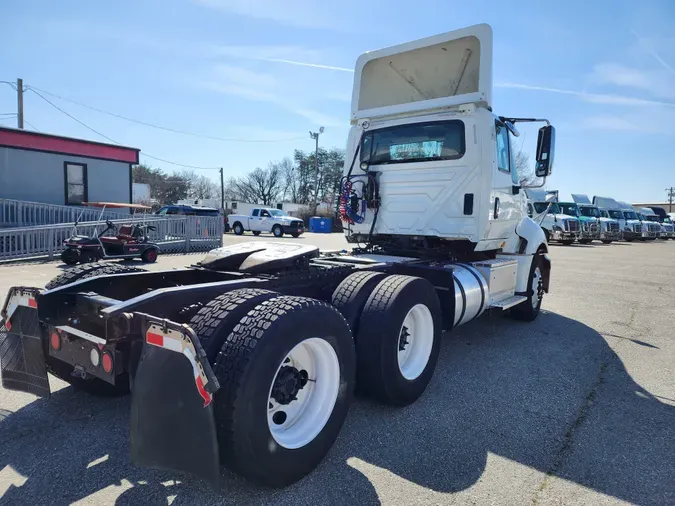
274,321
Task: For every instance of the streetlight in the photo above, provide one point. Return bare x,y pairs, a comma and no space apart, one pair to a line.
315,136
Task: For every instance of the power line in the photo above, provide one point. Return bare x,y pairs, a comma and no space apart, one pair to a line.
114,141
30,125
160,127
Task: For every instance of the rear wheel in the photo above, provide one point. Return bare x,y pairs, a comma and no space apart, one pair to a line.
70,256
287,374
238,229
351,295
585,241
529,309
277,231
216,320
398,340
149,256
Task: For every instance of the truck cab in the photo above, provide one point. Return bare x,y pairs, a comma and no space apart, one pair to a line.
631,225
557,225
608,227
667,229
651,220
610,208
589,228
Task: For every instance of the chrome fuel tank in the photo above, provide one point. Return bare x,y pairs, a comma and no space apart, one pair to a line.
471,292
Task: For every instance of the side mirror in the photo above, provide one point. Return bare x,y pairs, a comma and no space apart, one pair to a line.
545,151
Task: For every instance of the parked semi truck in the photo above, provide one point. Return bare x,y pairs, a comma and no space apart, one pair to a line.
250,357
667,228
608,227
588,223
557,225
652,220
649,230
630,229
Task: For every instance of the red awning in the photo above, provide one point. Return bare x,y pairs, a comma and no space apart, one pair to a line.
34,141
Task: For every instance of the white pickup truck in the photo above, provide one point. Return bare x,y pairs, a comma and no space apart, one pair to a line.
264,219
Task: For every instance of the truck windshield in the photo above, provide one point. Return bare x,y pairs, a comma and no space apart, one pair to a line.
652,218
615,214
569,209
590,211
276,212
630,215
541,207
419,142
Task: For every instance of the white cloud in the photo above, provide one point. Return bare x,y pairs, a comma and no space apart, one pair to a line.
321,119
658,83
597,98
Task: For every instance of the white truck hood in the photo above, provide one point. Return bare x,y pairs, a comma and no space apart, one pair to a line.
449,69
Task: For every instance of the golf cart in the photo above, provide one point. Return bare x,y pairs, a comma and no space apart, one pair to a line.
126,241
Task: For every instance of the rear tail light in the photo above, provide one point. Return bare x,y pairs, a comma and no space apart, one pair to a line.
55,341
107,362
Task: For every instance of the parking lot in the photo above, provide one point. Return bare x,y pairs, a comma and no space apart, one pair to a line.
575,408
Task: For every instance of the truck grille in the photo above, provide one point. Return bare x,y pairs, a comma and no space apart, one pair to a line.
637,228
653,227
612,227
572,225
667,228
590,227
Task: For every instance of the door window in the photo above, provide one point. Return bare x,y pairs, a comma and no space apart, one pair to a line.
255,212
264,213
503,149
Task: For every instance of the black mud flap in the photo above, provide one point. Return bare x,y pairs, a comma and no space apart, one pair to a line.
172,421
22,360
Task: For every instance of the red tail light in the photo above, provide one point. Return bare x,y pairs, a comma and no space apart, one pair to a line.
55,340
107,362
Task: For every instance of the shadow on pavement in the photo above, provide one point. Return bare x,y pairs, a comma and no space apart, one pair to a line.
550,395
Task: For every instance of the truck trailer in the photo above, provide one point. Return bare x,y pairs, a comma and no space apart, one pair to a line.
250,358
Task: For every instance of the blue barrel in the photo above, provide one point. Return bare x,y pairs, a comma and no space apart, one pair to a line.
320,225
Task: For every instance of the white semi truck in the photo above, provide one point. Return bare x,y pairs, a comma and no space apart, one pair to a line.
609,227
250,358
556,225
629,226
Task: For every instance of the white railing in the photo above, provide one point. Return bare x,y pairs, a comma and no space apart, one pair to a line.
21,213
180,234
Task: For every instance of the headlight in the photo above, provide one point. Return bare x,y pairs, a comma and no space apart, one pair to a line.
285,223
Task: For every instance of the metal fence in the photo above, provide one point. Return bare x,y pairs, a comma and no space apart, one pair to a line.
176,234
20,213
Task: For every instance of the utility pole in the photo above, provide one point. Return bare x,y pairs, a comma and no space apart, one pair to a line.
671,196
19,103
222,190
315,136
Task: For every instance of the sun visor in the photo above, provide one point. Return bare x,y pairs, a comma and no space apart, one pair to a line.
580,198
444,70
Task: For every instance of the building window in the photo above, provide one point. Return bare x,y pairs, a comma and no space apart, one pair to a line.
76,183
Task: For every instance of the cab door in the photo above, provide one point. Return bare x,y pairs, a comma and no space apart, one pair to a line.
506,208
254,223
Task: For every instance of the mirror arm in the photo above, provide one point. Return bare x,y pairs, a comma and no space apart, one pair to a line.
536,185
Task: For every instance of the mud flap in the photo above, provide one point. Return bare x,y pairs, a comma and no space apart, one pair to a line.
22,360
172,421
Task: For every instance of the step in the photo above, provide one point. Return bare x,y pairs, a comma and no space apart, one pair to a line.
508,303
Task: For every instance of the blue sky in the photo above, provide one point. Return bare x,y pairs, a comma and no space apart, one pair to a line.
272,70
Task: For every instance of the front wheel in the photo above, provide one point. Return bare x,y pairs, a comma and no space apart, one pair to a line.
277,231
287,375
529,309
585,241
606,241
149,256
568,242
295,235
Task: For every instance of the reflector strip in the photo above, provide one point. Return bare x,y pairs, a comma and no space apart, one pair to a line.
181,344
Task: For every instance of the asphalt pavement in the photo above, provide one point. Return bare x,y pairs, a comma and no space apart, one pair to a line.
575,408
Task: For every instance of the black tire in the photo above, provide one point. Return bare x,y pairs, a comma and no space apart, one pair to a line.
214,322
296,235
378,339
62,370
246,368
256,232
277,231
606,241
88,256
628,239
89,271
526,311
585,241
238,229
568,242
351,295
70,256
149,256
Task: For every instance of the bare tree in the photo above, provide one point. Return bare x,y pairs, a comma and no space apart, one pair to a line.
525,173
260,186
